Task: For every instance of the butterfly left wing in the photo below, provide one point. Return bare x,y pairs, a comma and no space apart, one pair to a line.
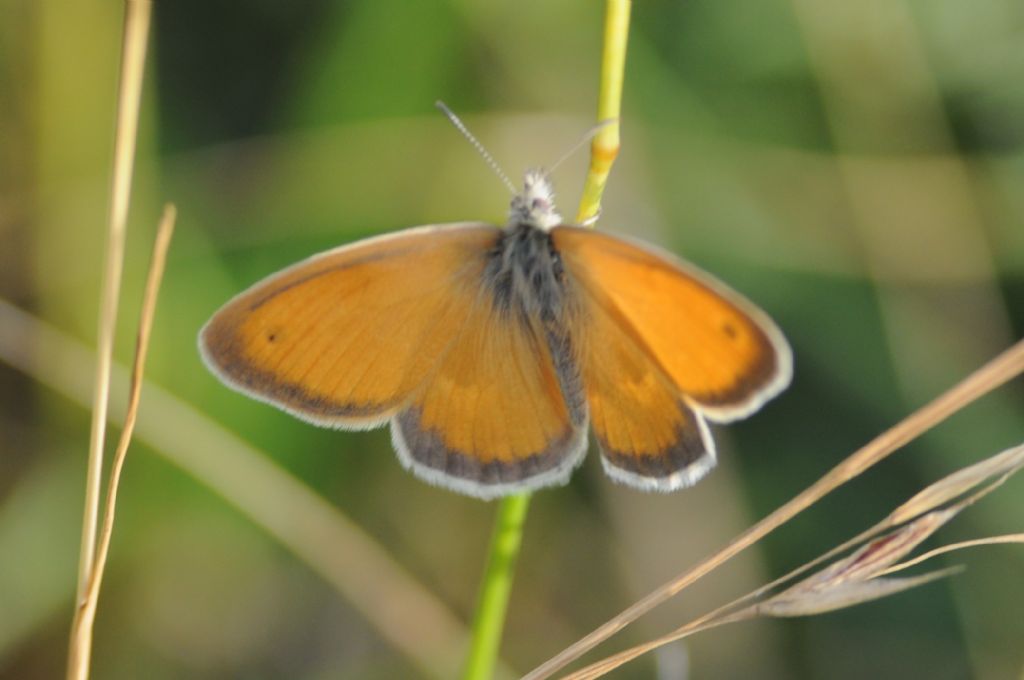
501,414
344,338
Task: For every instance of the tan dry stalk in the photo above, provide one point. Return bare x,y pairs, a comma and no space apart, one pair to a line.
133,58
85,613
859,577
405,613
996,372
133,55
991,540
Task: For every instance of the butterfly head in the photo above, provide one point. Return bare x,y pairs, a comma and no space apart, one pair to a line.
535,205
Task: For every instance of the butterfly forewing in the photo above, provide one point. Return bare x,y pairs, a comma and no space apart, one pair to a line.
344,338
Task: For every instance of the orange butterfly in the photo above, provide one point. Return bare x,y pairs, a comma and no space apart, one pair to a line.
490,350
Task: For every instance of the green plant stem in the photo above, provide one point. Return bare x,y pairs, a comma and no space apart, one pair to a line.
496,586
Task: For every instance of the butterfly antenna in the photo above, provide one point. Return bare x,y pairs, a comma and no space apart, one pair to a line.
479,147
576,147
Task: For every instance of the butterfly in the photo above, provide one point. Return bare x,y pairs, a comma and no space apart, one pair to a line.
491,351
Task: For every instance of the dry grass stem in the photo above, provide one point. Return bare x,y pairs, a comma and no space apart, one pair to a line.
85,613
843,595
958,483
852,580
995,373
353,563
610,663
991,540
858,578
133,57
931,497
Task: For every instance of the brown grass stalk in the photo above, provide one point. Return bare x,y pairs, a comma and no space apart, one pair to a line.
858,577
933,496
133,57
996,372
405,613
990,540
85,613
608,664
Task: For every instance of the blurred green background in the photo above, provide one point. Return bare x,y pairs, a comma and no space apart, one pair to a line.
855,168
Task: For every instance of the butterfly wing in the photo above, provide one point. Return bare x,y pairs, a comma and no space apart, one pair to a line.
723,353
405,327
649,437
501,414
663,347
344,338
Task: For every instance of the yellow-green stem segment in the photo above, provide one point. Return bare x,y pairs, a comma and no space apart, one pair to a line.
605,146
492,605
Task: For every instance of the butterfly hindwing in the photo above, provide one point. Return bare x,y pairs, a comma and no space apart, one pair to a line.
648,436
497,416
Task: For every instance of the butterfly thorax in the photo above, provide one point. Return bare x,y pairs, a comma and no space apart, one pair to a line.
535,205
525,274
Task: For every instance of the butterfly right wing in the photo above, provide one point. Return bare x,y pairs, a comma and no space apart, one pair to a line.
649,437
344,338
665,346
723,353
